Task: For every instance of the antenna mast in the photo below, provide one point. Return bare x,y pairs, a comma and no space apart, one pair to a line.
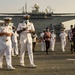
23,10
25,7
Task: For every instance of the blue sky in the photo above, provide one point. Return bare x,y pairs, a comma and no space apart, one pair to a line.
56,5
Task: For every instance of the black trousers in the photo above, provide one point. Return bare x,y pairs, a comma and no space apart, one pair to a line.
47,42
34,43
74,43
72,46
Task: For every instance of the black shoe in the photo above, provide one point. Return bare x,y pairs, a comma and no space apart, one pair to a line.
47,52
74,51
71,52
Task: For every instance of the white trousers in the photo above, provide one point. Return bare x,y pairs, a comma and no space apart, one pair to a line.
52,44
26,45
63,44
43,46
15,48
7,51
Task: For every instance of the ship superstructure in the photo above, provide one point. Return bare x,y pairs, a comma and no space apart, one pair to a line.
41,20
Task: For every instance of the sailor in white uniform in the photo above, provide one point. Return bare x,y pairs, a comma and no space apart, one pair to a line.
63,38
15,42
1,43
9,22
34,40
53,38
43,46
25,29
5,42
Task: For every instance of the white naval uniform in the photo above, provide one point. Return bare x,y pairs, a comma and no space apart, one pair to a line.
11,24
34,38
5,42
63,36
43,46
14,43
26,41
53,36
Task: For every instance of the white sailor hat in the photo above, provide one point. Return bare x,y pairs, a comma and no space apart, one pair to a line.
1,21
62,29
26,16
7,18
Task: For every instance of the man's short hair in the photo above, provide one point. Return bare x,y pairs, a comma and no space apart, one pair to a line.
71,26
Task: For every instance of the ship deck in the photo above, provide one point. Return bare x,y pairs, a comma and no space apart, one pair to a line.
55,63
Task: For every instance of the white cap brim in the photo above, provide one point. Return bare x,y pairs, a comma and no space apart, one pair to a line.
7,18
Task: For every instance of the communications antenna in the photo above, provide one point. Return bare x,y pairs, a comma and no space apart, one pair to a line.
25,7
22,9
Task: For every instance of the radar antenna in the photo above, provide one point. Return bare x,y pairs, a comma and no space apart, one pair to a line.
25,7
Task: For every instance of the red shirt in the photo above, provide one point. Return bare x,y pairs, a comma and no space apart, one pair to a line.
47,35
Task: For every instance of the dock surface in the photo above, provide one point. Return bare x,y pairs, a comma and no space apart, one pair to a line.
55,63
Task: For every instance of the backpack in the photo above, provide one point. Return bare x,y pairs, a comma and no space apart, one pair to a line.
47,35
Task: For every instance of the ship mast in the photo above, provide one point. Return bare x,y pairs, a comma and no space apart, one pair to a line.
25,7
23,10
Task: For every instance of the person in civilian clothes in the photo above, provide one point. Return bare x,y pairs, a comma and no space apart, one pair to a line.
25,31
70,34
47,37
73,39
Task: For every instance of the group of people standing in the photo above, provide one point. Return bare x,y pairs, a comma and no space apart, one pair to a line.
48,39
9,42
49,42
